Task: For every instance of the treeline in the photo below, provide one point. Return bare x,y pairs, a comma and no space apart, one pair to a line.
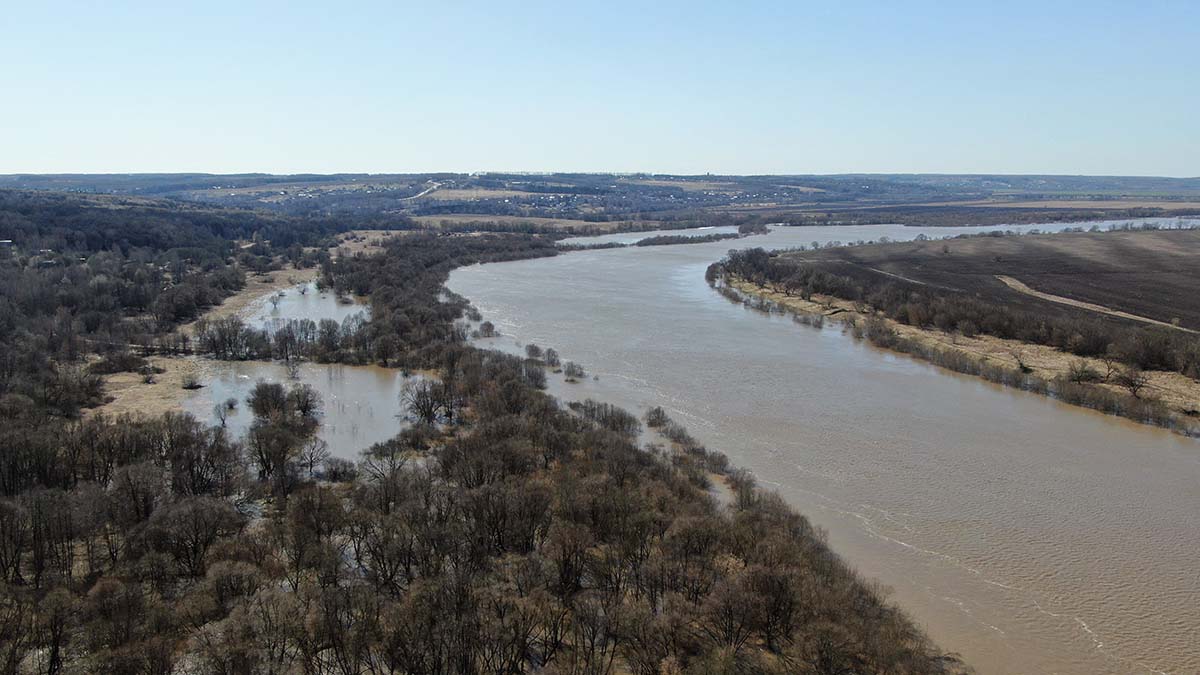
668,239
1149,348
324,341
746,229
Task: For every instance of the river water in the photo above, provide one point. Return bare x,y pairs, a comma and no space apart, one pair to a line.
1027,535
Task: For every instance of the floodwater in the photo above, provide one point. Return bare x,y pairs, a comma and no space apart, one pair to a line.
1027,535
362,403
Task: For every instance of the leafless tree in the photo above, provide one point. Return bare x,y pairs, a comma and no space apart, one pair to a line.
421,399
1133,380
314,453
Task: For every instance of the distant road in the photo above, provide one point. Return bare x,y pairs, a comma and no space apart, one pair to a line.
427,191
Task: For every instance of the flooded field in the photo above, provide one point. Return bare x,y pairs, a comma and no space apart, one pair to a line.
362,403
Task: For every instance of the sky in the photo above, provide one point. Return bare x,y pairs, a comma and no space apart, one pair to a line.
664,87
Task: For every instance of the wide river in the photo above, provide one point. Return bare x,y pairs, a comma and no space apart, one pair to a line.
1027,535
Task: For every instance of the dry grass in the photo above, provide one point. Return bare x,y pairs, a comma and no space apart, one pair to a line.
130,395
1178,392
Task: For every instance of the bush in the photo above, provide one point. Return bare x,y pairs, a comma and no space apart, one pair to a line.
656,417
1082,373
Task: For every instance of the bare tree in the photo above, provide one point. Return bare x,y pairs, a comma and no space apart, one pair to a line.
1133,380
314,453
1112,363
421,399
221,413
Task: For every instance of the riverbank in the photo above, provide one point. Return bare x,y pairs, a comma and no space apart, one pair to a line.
1178,393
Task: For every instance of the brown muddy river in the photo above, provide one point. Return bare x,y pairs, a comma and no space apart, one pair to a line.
1026,535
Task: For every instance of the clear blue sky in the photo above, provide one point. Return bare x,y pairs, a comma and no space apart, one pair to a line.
687,87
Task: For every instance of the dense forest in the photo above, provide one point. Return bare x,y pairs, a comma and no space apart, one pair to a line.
498,533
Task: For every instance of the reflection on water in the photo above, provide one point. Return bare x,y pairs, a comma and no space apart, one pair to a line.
362,403
1028,535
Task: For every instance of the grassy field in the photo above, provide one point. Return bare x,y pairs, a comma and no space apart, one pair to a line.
1153,275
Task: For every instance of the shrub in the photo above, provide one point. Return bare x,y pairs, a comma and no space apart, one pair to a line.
1082,373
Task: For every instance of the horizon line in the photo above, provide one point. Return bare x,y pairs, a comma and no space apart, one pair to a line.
596,173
